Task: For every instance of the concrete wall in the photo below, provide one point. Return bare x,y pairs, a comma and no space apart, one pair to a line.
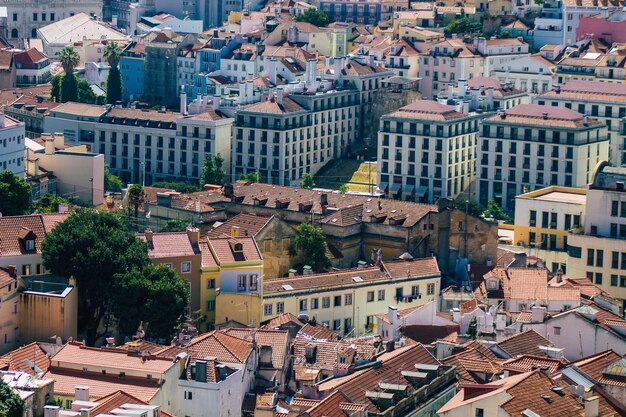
45,315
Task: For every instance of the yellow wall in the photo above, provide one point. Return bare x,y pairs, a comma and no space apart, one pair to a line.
43,316
207,294
243,308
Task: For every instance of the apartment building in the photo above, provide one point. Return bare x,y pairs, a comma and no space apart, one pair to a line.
32,67
604,101
426,151
597,251
573,10
548,25
368,12
347,301
533,74
530,146
499,51
544,217
143,146
12,141
289,135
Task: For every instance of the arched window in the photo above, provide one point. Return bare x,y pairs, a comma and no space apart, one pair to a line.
14,33
33,33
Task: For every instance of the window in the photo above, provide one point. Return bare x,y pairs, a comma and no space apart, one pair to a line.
188,395
613,280
303,305
25,269
614,260
34,17
623,209
370,296
315,303
210,305
337,324
337,302
614,208
479,412
241,283
254,282
267,309
600,257
533,218
30,245
415,290
590,253
280,307
598,278
185,267
210,284
430,289
347,325
381,295
557,331
348,299
325,302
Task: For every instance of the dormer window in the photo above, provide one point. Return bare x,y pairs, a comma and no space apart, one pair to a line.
492,284
30,245
237,247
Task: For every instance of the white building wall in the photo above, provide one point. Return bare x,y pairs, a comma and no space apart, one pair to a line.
12,145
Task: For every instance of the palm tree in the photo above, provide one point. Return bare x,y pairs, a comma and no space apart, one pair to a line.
113,53
69,59
136,197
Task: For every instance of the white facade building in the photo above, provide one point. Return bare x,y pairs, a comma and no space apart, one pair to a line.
11,145
499,51
533,74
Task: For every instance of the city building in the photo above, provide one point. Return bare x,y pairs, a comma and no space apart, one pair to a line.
12,139
574,10
347,301
144,146
549,25
368,13
544,217
420,323
426,151
7,69
132,71
601,100
499,51
30,106
597,250
9,330
76,27
34,391
26,17
31,68
564,146
532,74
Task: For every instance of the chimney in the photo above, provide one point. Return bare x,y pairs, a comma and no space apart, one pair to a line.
234,231
279,96
81,393
84,412
229,190
326,65
201,368
456,315
451,91
311,72
59,140
51,411
193,233
490,98
307,270
216,102
242,93
11,269
183,101
2,120
32,167
592,407
250,90
585,120
392,315
149,235
338,64
538,314
49,144
271,69
545,115
292,273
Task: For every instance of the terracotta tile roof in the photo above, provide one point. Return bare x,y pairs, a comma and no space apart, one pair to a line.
29,58
6,278
248,225
472,362
356,69
211,115
221,346
22,359
224,249
12,226
129,116
170,244
65,382
468,306
142,346
151,193
80,109
401,313
532,114
326,353
208,260
8,96
525,343
318,331
393,270
278,340
589,91
524,317
116,399
499,89
592,366
427,110
427,334
272,107
527,363
281,320
602,318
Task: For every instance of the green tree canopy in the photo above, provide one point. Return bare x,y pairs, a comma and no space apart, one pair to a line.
55,90
311,244
343,189
111,181
212,170
315,17
307,181
93,247
461,26
11,405
251,177
473,207
472,328
495,211
69,59
153,294
176,225
49,203
14,194
85,94
136,197
180,186
113,53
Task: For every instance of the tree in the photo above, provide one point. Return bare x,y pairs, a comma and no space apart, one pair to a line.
343,189
93,247
311,244
154,295
84,93
113,54
307,180
472,328
14,194
176,225
49,203
69,59
55,91
315,17
251,177
474,208
212,171
179,186
11,405
136,197
111,181
495,211
461,26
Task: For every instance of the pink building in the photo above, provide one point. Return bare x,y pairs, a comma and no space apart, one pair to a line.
595,27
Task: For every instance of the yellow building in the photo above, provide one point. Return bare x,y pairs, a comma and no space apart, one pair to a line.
347,301
8,309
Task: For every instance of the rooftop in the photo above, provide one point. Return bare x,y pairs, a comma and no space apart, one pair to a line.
427,110
549,116
169,244
76,28
16,230
558,195
525,343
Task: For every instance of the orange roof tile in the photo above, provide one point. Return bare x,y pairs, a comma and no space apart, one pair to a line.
224,249
221,346
278,340
22,359
11,226
247,224
527,342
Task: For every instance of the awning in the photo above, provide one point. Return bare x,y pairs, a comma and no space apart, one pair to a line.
409,190
395,187
422,190
383,187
